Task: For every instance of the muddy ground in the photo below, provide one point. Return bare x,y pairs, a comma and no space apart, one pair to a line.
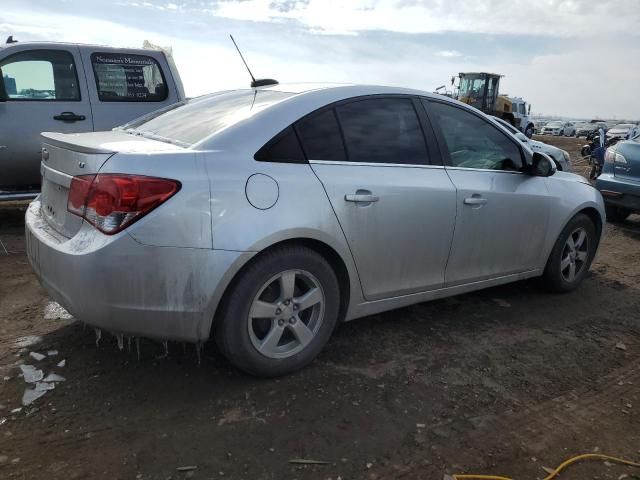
504,381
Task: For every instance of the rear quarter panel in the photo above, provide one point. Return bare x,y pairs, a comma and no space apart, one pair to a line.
185,219
302,209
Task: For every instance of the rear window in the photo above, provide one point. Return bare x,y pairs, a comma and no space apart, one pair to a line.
124,77
202,117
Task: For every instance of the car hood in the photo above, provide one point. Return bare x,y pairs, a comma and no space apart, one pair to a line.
618,131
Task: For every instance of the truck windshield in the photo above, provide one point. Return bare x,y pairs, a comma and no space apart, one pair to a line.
202,117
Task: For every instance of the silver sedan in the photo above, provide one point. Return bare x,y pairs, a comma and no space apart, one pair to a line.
263,217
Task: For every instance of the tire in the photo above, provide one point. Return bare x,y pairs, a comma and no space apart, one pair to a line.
298,334
561,133
557,276
616,214
529,131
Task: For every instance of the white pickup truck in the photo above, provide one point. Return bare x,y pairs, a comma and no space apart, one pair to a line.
68,88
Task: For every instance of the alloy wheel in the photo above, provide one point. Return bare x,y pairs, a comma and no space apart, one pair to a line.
574,254
286,314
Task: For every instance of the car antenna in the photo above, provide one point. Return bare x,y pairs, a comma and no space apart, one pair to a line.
261,82
11,40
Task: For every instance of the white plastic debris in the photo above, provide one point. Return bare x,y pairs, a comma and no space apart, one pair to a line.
54,377
61,363
31,395
27,341
52,353
45,386
54,311
36,356
16,410
31,374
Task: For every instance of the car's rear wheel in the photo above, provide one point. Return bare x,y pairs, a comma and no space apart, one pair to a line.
616,214
571,256
280,312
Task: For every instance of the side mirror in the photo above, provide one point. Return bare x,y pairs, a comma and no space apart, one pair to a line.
543,165
3,91
522,137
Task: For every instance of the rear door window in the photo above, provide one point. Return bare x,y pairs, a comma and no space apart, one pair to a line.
320,136
40,75
122,77
382,130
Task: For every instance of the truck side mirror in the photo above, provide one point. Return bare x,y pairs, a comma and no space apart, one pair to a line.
529,109
3,91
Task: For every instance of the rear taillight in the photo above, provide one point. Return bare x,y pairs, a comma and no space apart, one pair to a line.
112,201
612,157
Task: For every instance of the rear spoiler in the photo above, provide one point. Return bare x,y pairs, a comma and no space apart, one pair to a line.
82,143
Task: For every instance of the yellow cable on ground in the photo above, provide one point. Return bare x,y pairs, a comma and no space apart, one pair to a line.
563,465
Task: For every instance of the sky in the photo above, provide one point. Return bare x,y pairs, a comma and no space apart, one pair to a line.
575,58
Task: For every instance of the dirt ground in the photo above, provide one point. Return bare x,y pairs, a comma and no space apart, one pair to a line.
504,381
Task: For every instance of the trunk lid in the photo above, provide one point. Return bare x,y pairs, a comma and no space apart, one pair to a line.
67,155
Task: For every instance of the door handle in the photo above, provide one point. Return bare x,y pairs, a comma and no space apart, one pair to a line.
69,117
475,200
361,198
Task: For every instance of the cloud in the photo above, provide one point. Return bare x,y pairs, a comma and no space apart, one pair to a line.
447,53
559,69
543,17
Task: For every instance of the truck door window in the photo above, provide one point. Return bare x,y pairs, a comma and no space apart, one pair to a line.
40,75
123,77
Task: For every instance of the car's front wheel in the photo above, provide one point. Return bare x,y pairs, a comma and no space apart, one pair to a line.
279,313
529,131
571,256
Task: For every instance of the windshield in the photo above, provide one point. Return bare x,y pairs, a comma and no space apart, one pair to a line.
554,124
202,117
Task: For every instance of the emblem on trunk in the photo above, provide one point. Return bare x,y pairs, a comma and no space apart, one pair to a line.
81,164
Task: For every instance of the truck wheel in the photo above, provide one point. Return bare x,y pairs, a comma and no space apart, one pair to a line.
571,256
280,312
616,214
529,131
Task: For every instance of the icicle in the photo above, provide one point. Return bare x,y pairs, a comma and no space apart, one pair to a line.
98,336
198,348
165,344
184,349
129,344
120,340
138,347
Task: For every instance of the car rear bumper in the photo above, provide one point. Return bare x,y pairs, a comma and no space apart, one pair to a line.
118,284
618,192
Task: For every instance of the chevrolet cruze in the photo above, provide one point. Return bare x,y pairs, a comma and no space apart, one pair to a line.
260,218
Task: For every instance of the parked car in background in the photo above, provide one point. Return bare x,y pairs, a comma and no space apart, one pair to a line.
559,128
586,129
561,157
621,130
537,127
283,210
619,182
69,88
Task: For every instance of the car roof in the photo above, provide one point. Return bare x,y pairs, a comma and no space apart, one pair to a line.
304,99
